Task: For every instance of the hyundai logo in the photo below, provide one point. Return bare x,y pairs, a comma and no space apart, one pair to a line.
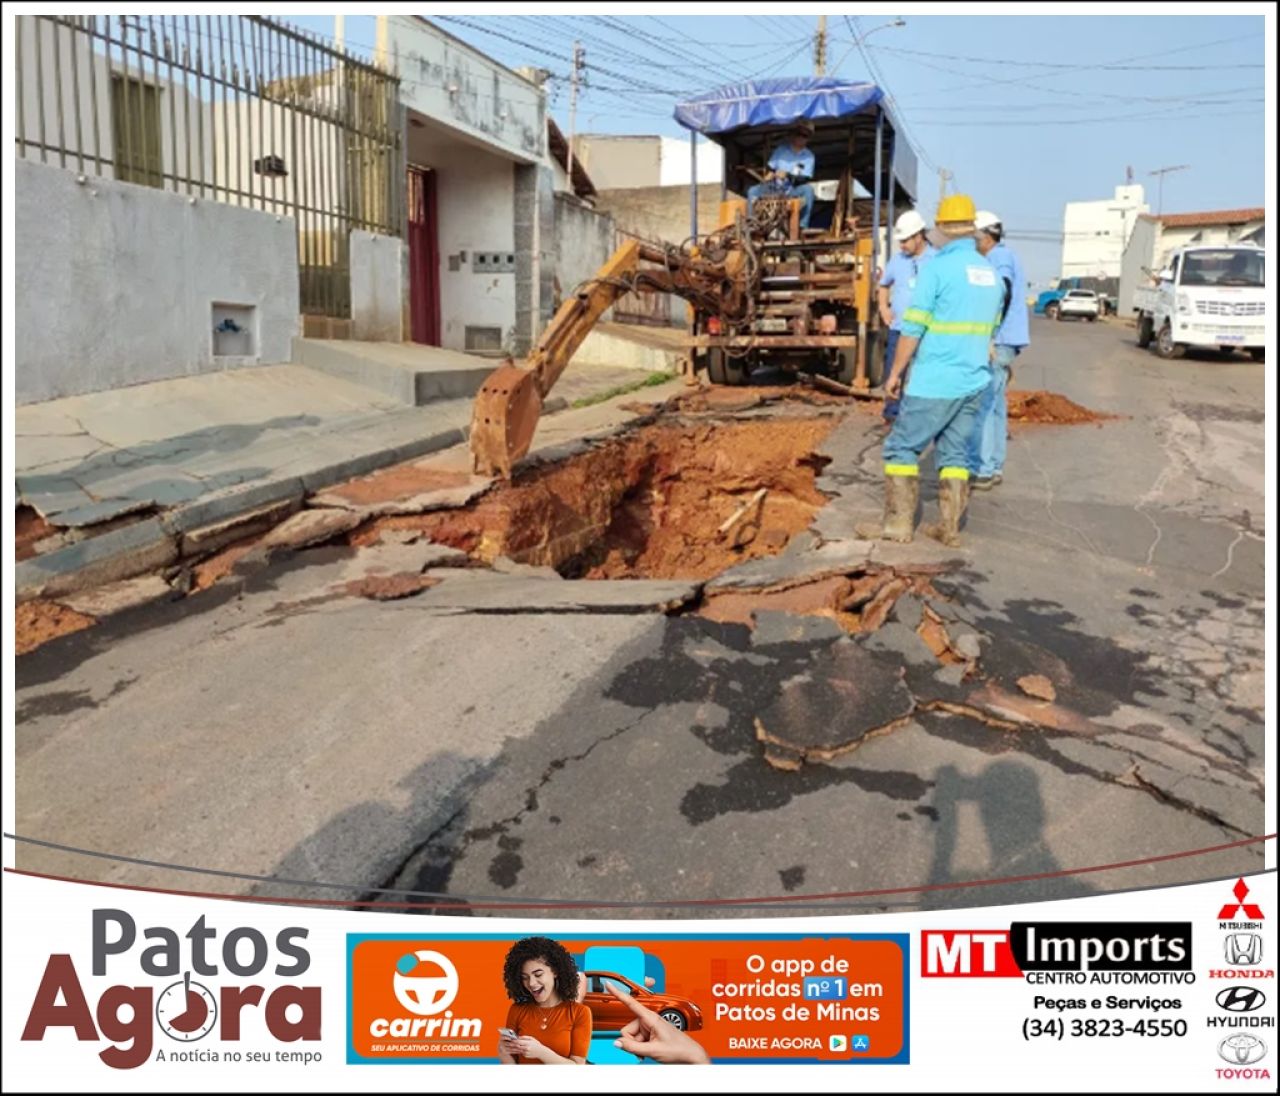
1241,999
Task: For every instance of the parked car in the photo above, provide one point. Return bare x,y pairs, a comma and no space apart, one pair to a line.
1106,288
1082,303
610,1014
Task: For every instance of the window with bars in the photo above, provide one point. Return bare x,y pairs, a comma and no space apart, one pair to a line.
135,127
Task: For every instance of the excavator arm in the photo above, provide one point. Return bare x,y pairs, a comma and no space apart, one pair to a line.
509,402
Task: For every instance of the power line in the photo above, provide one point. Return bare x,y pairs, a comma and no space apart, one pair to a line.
1089,68
1062,65
878,75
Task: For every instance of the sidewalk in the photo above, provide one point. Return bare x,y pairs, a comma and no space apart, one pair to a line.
131,479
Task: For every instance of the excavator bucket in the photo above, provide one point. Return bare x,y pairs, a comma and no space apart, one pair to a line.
504,419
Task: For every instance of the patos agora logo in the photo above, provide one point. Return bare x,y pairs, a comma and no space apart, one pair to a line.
177,984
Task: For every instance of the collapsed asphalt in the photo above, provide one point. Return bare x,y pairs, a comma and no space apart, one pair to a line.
513,734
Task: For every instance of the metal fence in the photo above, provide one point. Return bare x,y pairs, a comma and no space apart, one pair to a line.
240,109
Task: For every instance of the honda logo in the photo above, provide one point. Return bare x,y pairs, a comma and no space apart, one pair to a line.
1243,949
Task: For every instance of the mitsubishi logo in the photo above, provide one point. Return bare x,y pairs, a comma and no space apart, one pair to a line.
1251,911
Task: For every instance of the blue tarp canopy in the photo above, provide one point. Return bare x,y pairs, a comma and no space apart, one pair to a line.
747,119
776,102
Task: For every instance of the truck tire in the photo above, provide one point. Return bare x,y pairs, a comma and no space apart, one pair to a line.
1057,315
1146,331
723,370
1051,310
846,364
1166,348
1256,353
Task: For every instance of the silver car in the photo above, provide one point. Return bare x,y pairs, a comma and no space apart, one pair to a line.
1083,303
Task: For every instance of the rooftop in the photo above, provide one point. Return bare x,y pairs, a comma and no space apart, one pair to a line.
1212,217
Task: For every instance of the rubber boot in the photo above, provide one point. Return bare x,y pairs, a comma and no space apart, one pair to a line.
953,497
901,493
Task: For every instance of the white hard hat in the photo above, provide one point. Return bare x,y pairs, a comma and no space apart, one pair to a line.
909,224
986,219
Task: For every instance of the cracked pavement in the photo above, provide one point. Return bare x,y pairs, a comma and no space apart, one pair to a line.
516,736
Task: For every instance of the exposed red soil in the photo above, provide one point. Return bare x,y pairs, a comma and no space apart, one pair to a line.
28,528
650,504
1048,407
37,622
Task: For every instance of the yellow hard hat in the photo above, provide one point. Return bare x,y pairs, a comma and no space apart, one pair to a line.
955,208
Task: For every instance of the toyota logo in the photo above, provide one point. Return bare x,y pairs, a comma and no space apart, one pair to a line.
1242,1050
1241,999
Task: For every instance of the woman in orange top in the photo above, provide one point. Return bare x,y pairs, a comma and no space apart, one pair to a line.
551,1027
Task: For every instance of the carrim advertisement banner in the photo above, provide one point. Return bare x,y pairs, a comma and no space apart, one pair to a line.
113,989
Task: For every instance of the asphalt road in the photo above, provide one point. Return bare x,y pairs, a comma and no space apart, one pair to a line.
510,743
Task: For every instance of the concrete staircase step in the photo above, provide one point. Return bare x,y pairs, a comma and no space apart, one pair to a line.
406,372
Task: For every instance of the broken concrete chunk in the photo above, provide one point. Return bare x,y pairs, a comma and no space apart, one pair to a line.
212,538
898,641
773,627
951,675
1038,686
390,587
400,536
849,694
908,610
116,597
968,646
507,566
309,527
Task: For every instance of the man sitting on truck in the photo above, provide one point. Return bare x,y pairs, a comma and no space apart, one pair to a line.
791,168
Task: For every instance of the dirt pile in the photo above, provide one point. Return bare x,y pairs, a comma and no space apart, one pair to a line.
1048,407
656,503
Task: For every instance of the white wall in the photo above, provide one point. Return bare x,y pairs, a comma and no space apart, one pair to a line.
377,286
475,208
116,283
674,162
84,93
584,240
1095,233
458,86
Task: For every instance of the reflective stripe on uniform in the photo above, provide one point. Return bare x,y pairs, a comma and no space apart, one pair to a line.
902,469
952,472
937,327
917,315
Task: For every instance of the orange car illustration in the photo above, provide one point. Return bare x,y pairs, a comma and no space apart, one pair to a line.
610,1014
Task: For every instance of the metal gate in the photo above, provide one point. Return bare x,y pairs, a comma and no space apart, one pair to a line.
241,109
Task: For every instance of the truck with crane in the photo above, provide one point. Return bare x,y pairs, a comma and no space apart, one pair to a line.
763,295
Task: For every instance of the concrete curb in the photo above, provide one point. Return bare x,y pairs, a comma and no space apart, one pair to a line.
146,545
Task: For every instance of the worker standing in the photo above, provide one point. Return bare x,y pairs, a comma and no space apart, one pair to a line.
987,447
945,337
897,283
791,168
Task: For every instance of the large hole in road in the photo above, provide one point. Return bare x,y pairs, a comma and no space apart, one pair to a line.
667,501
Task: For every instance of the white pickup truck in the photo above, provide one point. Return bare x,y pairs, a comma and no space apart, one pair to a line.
1208,297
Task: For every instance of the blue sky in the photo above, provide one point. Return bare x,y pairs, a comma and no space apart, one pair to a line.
1027,111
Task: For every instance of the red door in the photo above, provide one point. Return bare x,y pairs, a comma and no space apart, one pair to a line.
424,258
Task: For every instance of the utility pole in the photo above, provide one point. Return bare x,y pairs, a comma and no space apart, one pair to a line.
1161,172
579,62
820,48
943,176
